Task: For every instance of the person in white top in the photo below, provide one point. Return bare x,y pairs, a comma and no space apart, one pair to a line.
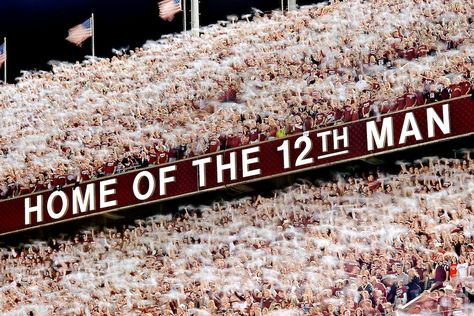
462,268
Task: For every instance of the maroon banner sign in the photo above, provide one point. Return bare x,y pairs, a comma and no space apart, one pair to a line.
322,147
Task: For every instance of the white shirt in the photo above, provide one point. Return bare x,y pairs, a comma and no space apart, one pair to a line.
462,270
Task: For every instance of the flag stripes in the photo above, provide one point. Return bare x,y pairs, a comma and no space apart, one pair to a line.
168,9
3,55
79,33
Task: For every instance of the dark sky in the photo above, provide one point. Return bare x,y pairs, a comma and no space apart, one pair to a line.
36,29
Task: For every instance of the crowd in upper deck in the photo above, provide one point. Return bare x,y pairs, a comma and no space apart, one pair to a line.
245,82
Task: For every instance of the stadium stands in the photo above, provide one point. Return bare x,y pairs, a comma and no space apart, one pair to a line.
246,82
357,245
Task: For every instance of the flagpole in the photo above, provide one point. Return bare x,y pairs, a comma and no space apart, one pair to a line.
5,63
291,5
195,17
184,15
93,35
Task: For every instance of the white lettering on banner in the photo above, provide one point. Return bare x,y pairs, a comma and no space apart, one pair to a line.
83,203
336,140
246,162
382,139
136,185
331,149
64,204
309,149
444,125
344,137
324,140
385,137
337,153
201,163
104,192
38,209
285,147
164,179
410,128
308,145
232,166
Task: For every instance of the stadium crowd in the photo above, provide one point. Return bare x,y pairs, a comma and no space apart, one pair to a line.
362,244
236,84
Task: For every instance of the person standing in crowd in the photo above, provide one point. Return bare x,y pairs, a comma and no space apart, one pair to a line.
413,286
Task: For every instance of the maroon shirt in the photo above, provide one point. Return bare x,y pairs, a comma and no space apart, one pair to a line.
387,107
320,119
59,180
455,91
365,110
40,186
214,145
465,87
420,98
440,273
347,114
162,156
298,128
355,116
400,103
152,158
410,53
410,100
109,167
233,141
253,134
85,175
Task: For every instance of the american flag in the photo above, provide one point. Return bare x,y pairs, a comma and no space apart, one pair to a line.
79,33
3,56
168,8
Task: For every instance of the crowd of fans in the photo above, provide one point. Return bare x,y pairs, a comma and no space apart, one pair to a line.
237,84
362,244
